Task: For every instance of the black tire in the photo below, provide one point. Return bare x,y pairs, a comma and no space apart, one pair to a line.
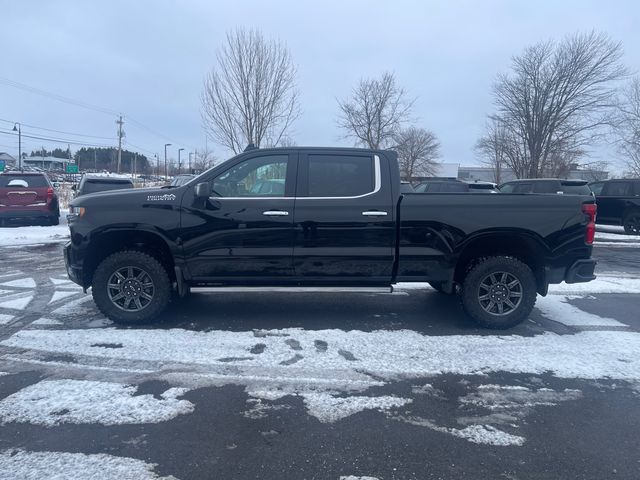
505,282
54,220
631,223
132,286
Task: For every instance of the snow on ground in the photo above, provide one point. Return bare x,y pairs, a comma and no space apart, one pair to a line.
348,363
481,434
4,318
33,235
52,402
17,303
328,408
602,284
20,283
617,237
21,464
558,309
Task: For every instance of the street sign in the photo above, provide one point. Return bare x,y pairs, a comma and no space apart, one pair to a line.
72,168
2,165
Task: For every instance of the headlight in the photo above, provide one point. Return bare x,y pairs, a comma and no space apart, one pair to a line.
77,211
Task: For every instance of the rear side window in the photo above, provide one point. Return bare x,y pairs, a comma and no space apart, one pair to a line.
636,188
453,187
545,187
340,175
516,187
93,186
19,181
576,189
617,189
423,188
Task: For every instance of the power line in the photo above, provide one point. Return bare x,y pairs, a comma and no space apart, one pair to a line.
79,103
54,96
58,140
56,131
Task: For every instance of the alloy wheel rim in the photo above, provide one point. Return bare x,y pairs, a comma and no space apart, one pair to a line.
633,224
500,293
130,289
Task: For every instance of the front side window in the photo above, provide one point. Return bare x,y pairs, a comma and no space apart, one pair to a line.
340,175
256,177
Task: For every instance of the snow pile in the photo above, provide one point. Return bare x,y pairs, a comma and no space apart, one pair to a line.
54,402
20,464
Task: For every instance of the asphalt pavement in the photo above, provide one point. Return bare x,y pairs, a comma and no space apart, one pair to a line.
319,385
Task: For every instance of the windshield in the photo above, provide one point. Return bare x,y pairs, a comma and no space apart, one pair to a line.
93,186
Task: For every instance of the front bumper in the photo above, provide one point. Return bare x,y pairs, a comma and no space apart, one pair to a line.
74,269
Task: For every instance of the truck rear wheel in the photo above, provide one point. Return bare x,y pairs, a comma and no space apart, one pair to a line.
131,287
631,223
499,292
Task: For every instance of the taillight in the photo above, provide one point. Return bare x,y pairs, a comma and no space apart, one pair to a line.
590,210
49,194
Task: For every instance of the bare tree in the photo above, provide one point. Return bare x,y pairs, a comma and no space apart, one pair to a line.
627,126
251,93
558,99
493,148
376,111
417,151
204,159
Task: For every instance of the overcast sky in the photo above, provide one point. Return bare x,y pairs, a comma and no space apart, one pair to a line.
148,59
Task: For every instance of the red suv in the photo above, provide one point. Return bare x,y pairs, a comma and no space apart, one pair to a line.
28,196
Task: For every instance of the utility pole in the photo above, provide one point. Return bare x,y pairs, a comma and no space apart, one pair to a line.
135,159
18,128
179,162
95,160
165,160
120,123
157,165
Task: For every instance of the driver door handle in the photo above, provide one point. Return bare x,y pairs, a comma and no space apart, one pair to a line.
275,213
374,213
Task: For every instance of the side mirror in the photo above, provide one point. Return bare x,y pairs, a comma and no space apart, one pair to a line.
203,190
74,187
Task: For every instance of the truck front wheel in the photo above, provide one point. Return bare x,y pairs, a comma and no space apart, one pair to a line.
631,223
499,292
131,287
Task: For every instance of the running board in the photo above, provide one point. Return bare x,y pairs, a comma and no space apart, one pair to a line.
225,289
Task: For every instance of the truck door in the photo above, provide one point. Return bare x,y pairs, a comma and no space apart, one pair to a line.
344,218
245,228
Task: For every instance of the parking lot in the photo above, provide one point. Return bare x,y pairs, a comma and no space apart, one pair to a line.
267,384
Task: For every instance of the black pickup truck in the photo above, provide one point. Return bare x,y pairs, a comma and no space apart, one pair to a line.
619,203
324,217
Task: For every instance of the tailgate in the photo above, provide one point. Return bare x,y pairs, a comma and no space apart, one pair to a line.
21,197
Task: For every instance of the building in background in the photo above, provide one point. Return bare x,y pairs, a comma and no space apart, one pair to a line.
487,174
45,163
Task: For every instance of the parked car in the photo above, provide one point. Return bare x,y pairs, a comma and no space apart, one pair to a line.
180,180
483,187
547,185
442,186
101,183
340,220
28,196
619,203
406,187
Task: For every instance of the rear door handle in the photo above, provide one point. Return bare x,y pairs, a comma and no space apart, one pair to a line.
374,213
275,213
